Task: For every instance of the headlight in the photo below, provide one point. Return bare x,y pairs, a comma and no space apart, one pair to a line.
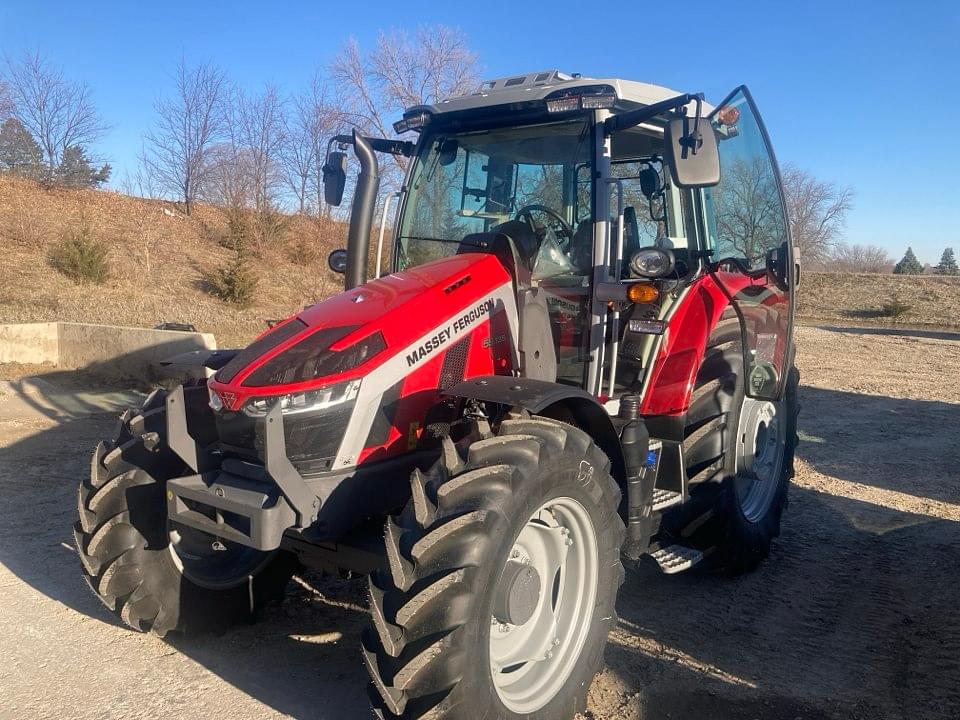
312,358
216,402
652,262
308,401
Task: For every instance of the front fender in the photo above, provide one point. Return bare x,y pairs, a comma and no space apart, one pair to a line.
568,404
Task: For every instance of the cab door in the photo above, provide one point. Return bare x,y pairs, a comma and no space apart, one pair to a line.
748,239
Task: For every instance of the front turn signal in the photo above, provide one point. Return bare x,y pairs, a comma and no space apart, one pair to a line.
642,293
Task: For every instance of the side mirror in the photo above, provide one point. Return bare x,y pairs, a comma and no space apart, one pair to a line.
649,182
337,260
776,261
334,178
692,156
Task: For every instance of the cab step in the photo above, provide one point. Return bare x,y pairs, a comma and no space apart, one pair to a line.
676,558
662,499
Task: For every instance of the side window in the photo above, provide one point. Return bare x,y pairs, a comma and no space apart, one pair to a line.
745,218
650,214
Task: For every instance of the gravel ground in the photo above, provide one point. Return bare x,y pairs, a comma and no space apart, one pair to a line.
853,616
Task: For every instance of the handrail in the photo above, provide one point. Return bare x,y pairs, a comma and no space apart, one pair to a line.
616,267
383,227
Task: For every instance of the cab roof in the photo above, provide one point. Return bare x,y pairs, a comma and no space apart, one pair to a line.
536,86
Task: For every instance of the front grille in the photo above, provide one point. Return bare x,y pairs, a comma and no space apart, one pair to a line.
312,439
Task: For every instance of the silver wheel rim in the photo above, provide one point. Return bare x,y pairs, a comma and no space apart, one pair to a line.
760,445
531,663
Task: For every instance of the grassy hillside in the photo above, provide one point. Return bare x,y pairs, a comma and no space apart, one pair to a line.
159,257
862,299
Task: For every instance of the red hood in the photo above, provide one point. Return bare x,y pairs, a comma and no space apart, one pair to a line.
402,307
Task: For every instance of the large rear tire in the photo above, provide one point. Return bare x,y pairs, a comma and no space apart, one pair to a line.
462,626
739,456
152,575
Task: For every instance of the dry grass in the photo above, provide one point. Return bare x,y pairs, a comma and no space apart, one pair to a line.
861,298
158,260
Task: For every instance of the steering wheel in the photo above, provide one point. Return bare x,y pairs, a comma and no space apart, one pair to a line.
526,214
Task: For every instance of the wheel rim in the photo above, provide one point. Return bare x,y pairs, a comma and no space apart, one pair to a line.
760,447
212,562
531,662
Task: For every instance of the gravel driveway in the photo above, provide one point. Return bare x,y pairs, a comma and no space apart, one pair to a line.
855,614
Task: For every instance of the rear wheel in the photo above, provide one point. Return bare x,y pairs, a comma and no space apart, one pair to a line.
739,457
156,575
504,570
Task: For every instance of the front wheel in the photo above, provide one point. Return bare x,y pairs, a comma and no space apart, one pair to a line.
504,571
156,575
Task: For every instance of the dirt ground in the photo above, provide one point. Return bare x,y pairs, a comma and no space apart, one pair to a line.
854,615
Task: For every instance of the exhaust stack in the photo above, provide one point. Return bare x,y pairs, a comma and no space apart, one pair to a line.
361,213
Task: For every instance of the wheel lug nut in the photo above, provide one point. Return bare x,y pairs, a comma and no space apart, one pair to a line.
556,641
549,655
503,627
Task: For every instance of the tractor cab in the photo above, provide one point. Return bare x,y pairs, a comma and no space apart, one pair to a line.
606,198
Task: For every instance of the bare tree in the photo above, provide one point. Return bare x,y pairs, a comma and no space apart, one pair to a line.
187,126
402,71
59,113
817,210
313,118
227,177
749,212
6,101
860,258
259,134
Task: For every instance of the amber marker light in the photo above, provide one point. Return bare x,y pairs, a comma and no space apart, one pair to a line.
728,115
642,293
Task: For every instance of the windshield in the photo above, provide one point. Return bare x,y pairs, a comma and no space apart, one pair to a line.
472,182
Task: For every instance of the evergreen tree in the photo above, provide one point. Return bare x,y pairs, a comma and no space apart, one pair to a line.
19,152
948,264
75,170
909,265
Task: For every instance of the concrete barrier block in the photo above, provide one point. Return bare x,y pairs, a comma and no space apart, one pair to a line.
123,352
108,351
29,343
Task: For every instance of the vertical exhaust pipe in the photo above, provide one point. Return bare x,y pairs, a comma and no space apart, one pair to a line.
361,213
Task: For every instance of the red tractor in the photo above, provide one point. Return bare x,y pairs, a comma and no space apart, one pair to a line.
584,353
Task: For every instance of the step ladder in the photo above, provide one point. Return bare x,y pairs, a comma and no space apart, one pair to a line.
662,499
676,558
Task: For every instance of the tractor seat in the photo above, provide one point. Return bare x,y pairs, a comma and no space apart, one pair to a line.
514,244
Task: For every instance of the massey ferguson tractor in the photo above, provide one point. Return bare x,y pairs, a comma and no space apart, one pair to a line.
583,356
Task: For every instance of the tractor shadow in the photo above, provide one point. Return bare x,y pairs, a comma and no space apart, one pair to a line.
301,658
853,615
927,333
903,445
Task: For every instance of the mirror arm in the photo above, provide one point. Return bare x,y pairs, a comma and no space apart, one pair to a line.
633,118
391,147
693,139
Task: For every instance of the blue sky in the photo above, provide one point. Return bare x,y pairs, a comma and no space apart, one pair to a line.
863,93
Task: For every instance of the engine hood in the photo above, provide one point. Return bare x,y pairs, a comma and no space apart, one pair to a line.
382,317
